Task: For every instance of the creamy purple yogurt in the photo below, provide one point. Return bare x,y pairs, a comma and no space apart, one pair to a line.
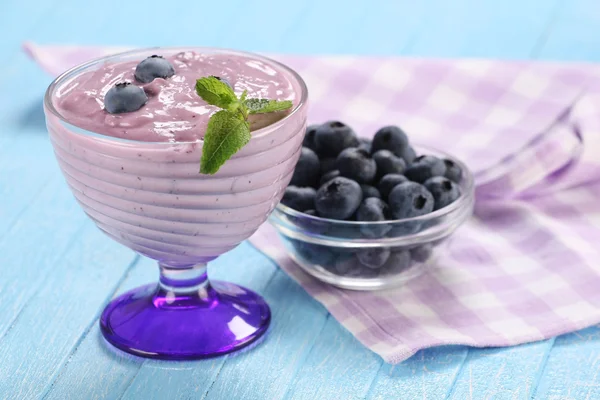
147,192
174,112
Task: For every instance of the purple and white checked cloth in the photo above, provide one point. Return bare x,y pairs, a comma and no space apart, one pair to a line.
527,266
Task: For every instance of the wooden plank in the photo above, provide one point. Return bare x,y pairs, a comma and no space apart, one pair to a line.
507,373
33,248
24,179
573,368
573,34
94,369
61,309
326,27
473,28
337,367
388,28
267,370
429,374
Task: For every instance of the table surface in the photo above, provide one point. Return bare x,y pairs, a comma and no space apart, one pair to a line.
57,270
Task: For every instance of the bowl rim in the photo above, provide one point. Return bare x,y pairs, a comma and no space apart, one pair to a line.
467,193
80,68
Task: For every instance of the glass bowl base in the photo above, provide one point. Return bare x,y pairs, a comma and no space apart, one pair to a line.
211,320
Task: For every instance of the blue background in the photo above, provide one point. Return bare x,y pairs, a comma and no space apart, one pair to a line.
57,271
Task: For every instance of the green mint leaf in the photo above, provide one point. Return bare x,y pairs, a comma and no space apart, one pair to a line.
217,93
260,106
227,132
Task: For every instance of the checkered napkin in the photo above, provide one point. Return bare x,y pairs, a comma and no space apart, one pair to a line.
527,265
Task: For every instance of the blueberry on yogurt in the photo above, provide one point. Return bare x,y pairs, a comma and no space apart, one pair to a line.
153,67
124,97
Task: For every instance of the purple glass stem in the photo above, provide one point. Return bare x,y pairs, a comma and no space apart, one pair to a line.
185,316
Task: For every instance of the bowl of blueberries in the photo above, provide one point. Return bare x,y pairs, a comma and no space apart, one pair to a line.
370,214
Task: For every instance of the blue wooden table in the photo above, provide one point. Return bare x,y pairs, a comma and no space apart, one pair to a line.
57,270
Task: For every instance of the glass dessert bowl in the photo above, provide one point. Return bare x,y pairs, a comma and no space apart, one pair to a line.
150,197
373,255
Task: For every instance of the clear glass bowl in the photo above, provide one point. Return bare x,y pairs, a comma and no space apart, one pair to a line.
372,255
150,197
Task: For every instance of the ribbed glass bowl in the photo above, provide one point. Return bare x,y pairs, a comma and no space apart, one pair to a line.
335,251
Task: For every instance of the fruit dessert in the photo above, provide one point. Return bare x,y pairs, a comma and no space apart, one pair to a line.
340,176
180,155
176,113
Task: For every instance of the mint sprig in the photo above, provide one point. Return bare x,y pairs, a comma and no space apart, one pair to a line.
225,135
261,106
228,129
216,92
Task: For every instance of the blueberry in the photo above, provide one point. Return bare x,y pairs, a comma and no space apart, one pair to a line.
344,263
363,272
353,269
307,169
370,191
390,138
408,155
299,198
124,97
332,137
388,163
387,183
309,137
338,199
443,190
328,176
224,80
421,253
425,167
373,258
398,262
405,228
153,67
345,231
365,143
453,171
310,224
313,253
327,164
355,163
409,199
373,209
